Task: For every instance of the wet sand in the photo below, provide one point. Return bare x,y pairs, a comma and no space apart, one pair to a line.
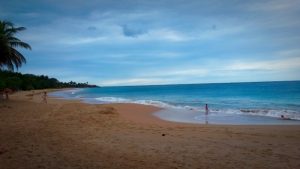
69,134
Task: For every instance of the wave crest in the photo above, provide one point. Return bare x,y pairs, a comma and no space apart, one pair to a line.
255,112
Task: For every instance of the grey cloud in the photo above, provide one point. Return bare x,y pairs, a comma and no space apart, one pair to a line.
214,27
91,28
132,32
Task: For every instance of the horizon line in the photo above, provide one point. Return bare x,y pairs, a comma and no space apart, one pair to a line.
201,83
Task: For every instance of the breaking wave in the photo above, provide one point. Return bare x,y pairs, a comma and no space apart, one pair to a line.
291,114
144,102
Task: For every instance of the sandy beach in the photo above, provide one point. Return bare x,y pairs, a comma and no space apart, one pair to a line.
70,134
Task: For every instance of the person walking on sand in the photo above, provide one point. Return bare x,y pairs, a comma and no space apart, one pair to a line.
44,97
7,91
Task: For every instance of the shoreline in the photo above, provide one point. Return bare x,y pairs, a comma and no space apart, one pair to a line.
160,114
146,112
72,134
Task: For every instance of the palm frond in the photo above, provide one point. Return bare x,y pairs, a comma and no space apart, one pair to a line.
8,23
20,44
14,30
18,56
9,56
16,59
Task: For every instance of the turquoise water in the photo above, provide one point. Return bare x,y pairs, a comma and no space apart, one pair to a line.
229,103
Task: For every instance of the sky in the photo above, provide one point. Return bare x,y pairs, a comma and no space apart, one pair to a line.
142,42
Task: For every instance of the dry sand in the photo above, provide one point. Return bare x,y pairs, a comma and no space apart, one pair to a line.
69,134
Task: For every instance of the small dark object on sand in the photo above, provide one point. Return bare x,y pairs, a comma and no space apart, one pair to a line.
163,135
3,151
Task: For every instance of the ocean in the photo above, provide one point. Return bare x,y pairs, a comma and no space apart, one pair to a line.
258,103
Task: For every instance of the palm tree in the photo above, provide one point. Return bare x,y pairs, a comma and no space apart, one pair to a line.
9,56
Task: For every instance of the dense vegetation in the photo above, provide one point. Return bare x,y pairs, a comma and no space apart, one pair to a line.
10,58
18,81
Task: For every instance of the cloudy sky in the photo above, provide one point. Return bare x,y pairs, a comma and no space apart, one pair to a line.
138,42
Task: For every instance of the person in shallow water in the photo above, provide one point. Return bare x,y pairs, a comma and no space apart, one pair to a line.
206,109
206,114
284,118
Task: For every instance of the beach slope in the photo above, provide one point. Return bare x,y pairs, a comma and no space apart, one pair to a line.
69,134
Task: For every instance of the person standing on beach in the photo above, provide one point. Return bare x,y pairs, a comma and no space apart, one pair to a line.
32,95
44,97
206,114
7,91
206,109
6,94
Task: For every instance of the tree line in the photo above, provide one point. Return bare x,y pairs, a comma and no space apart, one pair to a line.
18,81
11,58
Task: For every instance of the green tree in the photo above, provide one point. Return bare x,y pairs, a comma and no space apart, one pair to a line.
9,56
2,85
14,83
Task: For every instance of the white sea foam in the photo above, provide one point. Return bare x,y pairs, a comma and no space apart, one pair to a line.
213,112
144,102
113,100
155,103
261,112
